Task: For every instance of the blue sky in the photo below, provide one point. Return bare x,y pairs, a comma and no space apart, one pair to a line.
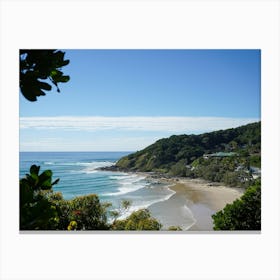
127,99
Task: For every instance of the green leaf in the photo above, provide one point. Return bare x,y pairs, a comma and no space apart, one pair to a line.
47,174
63,79
46,185
26,192
34,169
55,74
34,178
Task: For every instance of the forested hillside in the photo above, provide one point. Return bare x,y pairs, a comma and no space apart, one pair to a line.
225,155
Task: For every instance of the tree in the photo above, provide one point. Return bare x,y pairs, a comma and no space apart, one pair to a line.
138,220
88,213
38,204
123,208
37,211
37,66
243,213
43,209
40,208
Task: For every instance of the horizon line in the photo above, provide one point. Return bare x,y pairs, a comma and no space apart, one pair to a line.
77,151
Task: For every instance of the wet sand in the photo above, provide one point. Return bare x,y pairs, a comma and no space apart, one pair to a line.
193,203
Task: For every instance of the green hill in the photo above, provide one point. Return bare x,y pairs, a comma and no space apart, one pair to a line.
216,156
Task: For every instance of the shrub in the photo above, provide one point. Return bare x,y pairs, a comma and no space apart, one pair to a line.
88,213
37,211
138,220
174,228
42,209
243,213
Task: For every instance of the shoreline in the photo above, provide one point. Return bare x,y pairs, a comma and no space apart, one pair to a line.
193,203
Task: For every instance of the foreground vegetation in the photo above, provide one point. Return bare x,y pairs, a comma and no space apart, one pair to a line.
184,155
243,213
229,156
226,156
43,209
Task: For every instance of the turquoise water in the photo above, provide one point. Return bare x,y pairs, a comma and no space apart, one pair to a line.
79,176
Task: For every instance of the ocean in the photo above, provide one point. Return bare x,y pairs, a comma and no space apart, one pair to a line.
79,175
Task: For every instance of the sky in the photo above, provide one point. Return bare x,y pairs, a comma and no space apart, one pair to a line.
125,100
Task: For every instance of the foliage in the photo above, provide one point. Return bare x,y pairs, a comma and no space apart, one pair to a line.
88,213
43,209
72,225
138,220
255,160
178,169
39,65
125,204
175,228
233,171
243,213
37,211
182,155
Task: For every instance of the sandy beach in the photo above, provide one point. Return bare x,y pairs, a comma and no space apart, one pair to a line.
193,203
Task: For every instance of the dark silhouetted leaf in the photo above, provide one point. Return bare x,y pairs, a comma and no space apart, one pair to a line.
34,169
65,62
63,79
45,86
55,182
37,65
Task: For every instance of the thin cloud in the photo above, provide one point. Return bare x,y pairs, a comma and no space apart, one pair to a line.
157,124
127,143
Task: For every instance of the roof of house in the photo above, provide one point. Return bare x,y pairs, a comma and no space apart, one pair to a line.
221,154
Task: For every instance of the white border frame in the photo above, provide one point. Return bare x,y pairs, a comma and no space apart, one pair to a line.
140,24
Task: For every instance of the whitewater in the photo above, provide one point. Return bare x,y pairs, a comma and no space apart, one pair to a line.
79,175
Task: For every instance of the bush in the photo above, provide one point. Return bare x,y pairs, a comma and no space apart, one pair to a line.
42,209
174,228
138,220
88,213
178,169
243,213
37,210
